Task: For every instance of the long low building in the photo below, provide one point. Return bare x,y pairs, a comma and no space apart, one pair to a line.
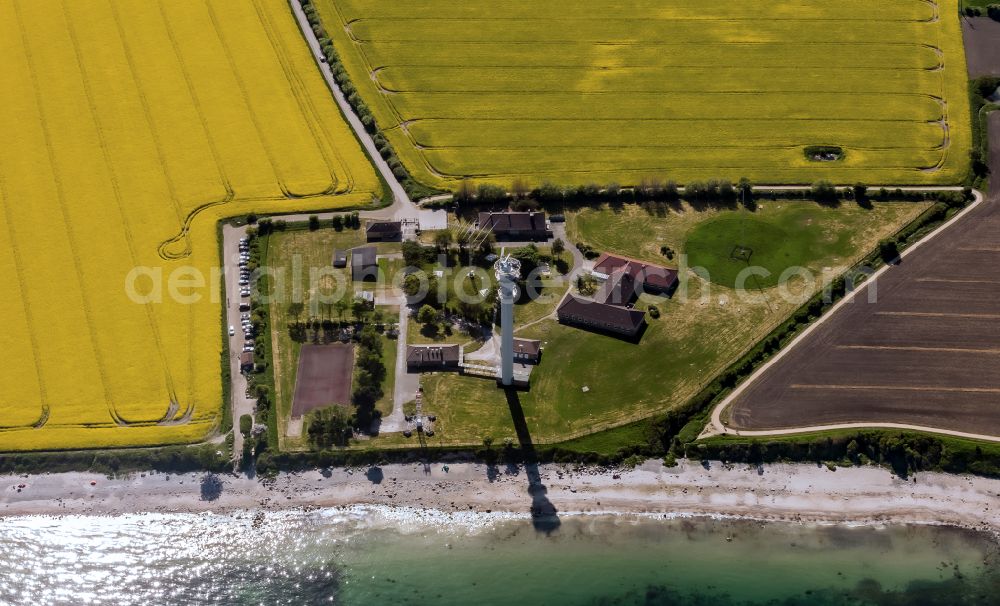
384,231
516,226
603,317
430,357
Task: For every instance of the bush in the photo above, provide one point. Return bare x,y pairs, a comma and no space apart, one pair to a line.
888,250
993,11
824,192
329,427
587,250
246,425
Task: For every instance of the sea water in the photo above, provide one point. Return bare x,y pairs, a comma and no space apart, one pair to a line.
380,555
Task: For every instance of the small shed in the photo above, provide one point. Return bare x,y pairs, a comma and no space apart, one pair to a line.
339,257
364,265
246,361
368,297
527,351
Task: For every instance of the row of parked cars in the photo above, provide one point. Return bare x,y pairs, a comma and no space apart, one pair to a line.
245,323
244,267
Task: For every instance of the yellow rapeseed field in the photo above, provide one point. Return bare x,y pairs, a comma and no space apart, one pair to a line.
130,127
603,90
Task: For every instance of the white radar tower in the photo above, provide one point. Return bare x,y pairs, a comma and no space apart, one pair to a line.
508,271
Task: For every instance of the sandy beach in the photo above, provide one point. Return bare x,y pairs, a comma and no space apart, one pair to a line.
799,492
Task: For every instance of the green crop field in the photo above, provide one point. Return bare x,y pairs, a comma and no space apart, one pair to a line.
621,91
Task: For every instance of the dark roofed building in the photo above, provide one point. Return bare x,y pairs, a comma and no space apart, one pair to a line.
339,257
515,225
601,316
384,231
653,278
432,356
619,289
527,351
364,265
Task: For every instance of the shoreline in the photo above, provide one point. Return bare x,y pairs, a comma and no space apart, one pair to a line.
795,493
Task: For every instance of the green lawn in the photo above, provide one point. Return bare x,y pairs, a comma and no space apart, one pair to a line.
781,236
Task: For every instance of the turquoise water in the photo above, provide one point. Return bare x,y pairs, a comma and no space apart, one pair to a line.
392,556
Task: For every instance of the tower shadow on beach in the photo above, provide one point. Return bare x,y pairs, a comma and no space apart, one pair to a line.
544,515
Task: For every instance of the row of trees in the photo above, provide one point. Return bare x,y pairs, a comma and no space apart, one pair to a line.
992,11
360,310
337,222
368,377
904,453
712,191
267,225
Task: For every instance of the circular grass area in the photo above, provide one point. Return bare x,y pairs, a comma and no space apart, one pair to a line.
727,244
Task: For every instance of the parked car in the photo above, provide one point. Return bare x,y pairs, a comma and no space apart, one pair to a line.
558,218
232,331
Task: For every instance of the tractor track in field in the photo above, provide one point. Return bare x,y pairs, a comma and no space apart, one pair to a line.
120,206
43,416
308,112
71,239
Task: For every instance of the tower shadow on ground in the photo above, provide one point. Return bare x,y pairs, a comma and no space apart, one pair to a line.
544,515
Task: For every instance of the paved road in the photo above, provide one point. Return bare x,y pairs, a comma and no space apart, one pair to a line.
406,385
579,261
241,404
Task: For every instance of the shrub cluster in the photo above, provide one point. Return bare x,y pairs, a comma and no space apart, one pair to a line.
719,192
903,452
168,459
328,427
369,374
